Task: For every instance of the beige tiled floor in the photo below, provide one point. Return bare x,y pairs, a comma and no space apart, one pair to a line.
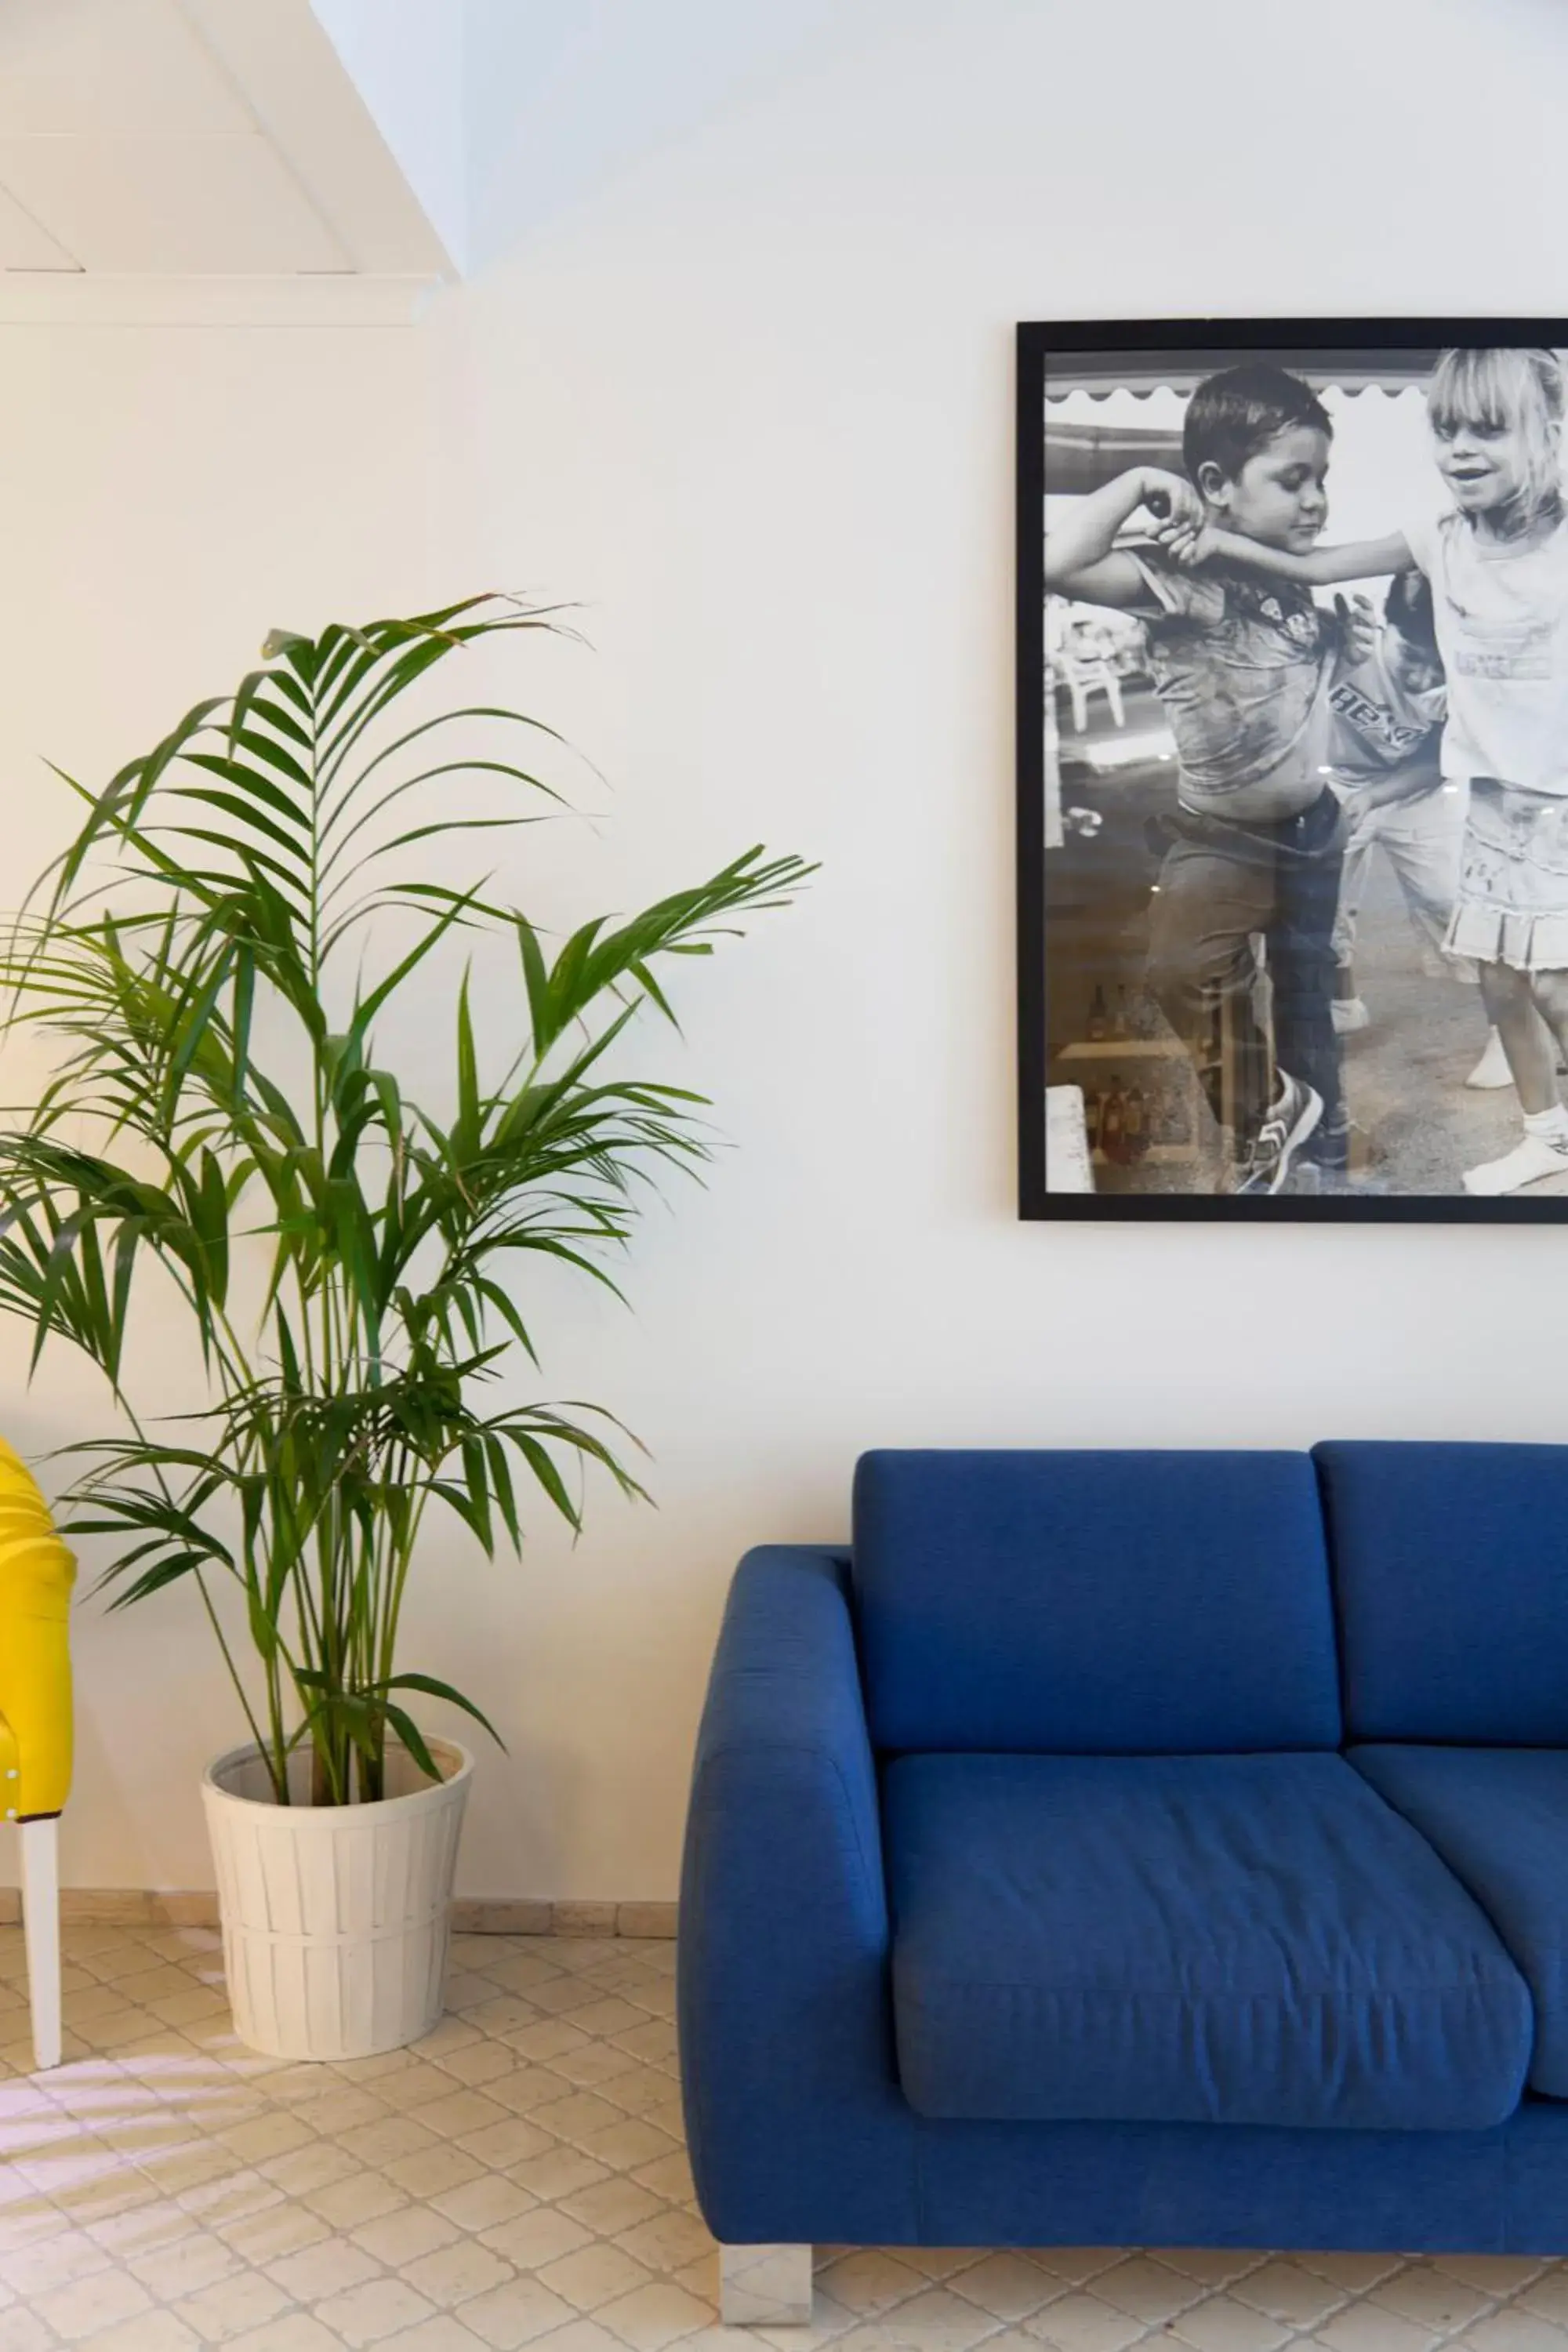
519,2179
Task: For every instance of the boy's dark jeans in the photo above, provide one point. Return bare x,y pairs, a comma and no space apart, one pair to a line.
1219,884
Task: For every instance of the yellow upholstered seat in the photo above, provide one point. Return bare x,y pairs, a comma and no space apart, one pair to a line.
37,1572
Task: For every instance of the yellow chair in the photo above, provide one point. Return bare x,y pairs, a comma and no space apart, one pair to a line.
37,1572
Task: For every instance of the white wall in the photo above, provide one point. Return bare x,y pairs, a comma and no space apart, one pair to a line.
747,394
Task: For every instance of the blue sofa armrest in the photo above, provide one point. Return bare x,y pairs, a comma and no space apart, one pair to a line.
796,2126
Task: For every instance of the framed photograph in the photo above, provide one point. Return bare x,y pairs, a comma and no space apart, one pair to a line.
1293,769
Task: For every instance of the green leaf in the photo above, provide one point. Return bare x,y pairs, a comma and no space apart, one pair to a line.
171,1570
365,1013
549,1477
466,1134
434,1689
412,1739
243,811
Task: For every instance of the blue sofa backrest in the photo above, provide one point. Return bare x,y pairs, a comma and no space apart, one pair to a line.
1450,1567
1094,1603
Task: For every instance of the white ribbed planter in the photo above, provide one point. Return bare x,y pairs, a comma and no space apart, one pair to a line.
335,1917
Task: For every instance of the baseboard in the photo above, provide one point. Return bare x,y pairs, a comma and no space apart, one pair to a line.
472,1915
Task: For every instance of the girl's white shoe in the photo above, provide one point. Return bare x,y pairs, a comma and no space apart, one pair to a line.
1492,1069
1527,1163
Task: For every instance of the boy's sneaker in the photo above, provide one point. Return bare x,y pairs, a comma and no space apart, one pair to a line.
1527,1163
1492,1069
1292,1116
1348,1015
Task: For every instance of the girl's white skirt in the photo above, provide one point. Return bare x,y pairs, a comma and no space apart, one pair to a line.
1512,906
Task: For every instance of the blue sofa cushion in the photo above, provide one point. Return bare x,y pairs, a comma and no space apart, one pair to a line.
1451,1569
1499,1817
1094,1602
1247,1940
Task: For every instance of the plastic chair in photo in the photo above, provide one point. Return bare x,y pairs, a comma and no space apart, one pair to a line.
1082,675
37,1572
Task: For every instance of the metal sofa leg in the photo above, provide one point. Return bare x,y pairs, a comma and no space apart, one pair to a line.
764,2286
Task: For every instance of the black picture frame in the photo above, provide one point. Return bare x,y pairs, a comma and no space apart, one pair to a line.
1186,350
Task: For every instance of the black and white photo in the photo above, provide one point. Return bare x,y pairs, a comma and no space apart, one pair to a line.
1293,769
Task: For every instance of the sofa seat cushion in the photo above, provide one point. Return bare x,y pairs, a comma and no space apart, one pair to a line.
1499,1817
1251,1939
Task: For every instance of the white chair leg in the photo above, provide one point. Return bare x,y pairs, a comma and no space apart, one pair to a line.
41,1924
764,2286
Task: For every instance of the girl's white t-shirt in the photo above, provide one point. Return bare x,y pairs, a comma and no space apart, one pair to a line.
1501,615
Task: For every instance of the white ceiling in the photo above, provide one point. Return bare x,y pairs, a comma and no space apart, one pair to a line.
193,138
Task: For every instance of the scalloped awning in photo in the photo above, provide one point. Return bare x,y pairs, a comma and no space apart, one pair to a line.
1142,373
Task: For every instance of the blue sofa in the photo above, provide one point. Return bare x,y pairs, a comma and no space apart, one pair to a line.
1139,1848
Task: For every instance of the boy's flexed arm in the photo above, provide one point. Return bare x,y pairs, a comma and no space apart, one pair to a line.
1321,567
1082,559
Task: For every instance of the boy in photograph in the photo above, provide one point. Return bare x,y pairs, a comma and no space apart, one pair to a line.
1244,665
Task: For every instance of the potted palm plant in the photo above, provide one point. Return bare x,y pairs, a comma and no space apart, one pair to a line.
226,1127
